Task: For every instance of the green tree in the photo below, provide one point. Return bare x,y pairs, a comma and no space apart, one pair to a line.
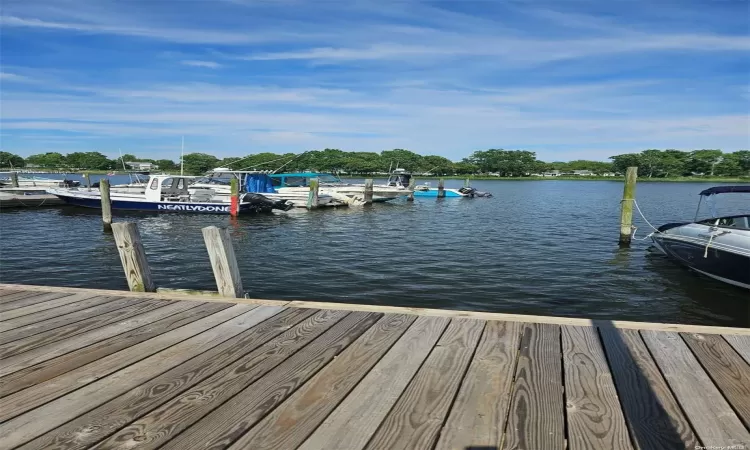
88,160
50,160
167,165
199,163
703,161
620,163
11,160
399,157
437,165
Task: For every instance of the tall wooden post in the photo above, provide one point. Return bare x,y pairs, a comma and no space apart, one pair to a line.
368,191
234,206
88,181
441,188
223,262
133,257
412,186
106,204
626,206
312,197
14,179
466,182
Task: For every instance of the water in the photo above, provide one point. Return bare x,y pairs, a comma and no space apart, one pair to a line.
537,247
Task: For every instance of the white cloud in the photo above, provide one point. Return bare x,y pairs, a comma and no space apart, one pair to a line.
197,63
7,76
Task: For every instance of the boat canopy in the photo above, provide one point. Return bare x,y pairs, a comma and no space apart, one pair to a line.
259,183
726,189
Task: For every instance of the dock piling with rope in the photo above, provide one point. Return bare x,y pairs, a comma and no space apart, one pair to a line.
626,207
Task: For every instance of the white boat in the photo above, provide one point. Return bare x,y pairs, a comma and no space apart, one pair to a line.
170,194
330,184
718,247
253,181
25,181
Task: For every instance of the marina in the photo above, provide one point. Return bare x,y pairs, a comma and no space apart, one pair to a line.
88,368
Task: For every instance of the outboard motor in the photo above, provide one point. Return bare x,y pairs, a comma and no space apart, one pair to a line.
472,192
263,202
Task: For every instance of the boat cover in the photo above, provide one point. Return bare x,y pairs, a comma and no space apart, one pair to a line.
726,189
259,182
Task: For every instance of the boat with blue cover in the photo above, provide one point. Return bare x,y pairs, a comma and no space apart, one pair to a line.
170,194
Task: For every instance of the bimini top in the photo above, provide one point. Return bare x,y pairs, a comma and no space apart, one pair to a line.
726,189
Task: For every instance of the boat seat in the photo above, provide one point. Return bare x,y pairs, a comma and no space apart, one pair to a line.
203,195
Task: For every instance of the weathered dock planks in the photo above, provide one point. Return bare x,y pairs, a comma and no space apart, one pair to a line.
97,369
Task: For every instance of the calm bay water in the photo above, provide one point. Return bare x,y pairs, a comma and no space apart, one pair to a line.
537,247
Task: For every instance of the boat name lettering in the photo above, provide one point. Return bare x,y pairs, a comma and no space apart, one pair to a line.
195,208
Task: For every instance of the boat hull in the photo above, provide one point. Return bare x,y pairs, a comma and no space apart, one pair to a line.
164,207
726,263
433,192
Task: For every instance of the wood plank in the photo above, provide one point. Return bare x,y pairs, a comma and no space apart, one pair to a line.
169,295
49,351
171,418
620,324
477,418
536,417
99,423
53,388
224,425
38,421
67,319
356,419
416,419
7,292
18,295
730,372
293,421
52,368
741,345
654,417
44,306
19,346
595,419
32,299
59,312
711,416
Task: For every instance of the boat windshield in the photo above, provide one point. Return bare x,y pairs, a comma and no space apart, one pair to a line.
222,179
304,180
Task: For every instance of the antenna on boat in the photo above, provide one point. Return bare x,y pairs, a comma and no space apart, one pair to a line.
390,167
130,175
182,156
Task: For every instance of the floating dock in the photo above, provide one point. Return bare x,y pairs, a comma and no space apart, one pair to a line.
30,197
112,369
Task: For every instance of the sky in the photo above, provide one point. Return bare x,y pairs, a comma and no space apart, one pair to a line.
567,79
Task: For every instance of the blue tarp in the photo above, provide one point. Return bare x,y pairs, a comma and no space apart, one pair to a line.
259,183
726,189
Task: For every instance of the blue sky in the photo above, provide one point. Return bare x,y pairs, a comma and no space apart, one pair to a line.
569,79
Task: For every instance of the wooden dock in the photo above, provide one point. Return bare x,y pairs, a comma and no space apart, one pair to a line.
109,369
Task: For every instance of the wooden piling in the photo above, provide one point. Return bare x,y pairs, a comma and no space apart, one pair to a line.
14,179
626,206
312,198
223,262
106,204
234,206
412,186
133,257
441,188
88,181
466,182
368,191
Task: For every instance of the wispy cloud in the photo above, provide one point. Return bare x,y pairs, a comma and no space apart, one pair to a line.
206,64
7,76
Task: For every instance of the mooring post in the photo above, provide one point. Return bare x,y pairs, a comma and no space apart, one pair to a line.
312,197
368,191
412,186
14,179
626,207
441,188
466,182
234,206
106,204
133,257
88,181
223,261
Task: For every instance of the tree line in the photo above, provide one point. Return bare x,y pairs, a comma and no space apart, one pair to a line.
500,162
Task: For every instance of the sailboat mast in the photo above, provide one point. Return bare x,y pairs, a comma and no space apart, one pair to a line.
182,156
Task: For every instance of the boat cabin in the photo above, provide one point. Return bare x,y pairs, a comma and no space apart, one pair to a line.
399,178
168,188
